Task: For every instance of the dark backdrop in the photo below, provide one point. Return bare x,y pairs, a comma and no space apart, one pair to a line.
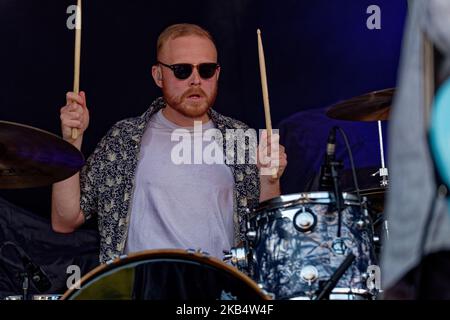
317,53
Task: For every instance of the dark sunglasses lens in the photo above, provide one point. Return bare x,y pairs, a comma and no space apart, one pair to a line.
182,71
207,70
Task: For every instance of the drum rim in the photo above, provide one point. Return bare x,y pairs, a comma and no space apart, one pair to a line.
33,296
166,253
313,197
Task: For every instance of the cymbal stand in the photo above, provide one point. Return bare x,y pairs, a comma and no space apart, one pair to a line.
383,172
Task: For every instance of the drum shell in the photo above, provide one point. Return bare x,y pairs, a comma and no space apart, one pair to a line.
280,251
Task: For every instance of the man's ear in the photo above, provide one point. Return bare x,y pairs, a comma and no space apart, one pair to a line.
157,75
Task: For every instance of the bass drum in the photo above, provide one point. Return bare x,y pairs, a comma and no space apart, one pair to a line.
166,275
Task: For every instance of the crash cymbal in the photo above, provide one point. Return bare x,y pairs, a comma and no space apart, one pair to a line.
30,157
372,106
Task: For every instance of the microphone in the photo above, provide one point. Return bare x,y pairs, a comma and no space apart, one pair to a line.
326,180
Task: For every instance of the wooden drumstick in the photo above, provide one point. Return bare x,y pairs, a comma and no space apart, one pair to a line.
265,92
76,76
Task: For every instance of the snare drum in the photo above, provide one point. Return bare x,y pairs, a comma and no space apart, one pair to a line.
166,275
294,248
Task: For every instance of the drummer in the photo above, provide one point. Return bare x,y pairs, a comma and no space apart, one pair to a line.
142,198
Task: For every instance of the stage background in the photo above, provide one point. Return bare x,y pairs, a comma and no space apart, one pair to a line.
317,53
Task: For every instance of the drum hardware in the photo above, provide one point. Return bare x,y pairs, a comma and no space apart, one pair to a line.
304,220
43,297
268,294
115,257
237,257
199,252
309,274
31,271
339,246
386,229
251,235
361,224
383,171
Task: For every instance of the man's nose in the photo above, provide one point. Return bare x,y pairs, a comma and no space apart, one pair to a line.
195,76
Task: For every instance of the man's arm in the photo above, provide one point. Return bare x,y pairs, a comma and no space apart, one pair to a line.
66,211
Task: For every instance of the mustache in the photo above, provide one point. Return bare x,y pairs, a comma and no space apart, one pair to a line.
194,91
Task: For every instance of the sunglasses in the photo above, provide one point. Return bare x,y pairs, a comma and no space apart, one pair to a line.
183,71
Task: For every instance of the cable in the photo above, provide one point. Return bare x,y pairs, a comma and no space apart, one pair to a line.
352,163
356,185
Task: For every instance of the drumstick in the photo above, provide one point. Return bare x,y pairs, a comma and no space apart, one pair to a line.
76,76
265,92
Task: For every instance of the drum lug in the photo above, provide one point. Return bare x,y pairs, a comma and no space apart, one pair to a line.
265,292
237,257
251,235
361,224
305,220
309,274
198,251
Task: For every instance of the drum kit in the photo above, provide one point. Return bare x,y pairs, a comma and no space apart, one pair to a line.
312,245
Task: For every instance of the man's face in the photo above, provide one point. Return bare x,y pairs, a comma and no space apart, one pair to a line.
192,97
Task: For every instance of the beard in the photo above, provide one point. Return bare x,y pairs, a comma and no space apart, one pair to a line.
191,108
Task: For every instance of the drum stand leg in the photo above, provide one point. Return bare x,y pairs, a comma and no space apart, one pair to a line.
25,284
384,174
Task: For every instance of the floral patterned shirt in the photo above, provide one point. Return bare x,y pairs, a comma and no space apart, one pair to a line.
108,177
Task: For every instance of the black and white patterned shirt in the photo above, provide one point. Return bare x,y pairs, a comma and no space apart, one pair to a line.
107,180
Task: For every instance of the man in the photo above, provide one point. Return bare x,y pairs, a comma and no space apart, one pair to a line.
142,198
416,255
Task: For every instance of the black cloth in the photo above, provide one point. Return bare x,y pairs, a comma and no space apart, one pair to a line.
51,251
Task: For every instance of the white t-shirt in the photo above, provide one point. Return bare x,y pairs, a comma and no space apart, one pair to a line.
184,206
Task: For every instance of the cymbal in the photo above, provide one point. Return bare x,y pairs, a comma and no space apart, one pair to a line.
371,106
31,157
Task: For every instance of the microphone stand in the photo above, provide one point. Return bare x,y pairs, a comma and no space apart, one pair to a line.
335,166
334,279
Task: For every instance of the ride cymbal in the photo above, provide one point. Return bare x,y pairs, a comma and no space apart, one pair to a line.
372,106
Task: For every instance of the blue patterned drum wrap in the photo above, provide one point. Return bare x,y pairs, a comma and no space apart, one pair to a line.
296,247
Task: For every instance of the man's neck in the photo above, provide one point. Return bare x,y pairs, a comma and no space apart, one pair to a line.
181,120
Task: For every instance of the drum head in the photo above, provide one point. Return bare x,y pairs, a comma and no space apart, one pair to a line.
166,275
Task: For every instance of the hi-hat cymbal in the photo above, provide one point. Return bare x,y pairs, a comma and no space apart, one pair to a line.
372,106
31,157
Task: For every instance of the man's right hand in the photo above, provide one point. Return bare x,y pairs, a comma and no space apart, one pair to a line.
74,114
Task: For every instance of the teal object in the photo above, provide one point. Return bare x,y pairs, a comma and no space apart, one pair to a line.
440,133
